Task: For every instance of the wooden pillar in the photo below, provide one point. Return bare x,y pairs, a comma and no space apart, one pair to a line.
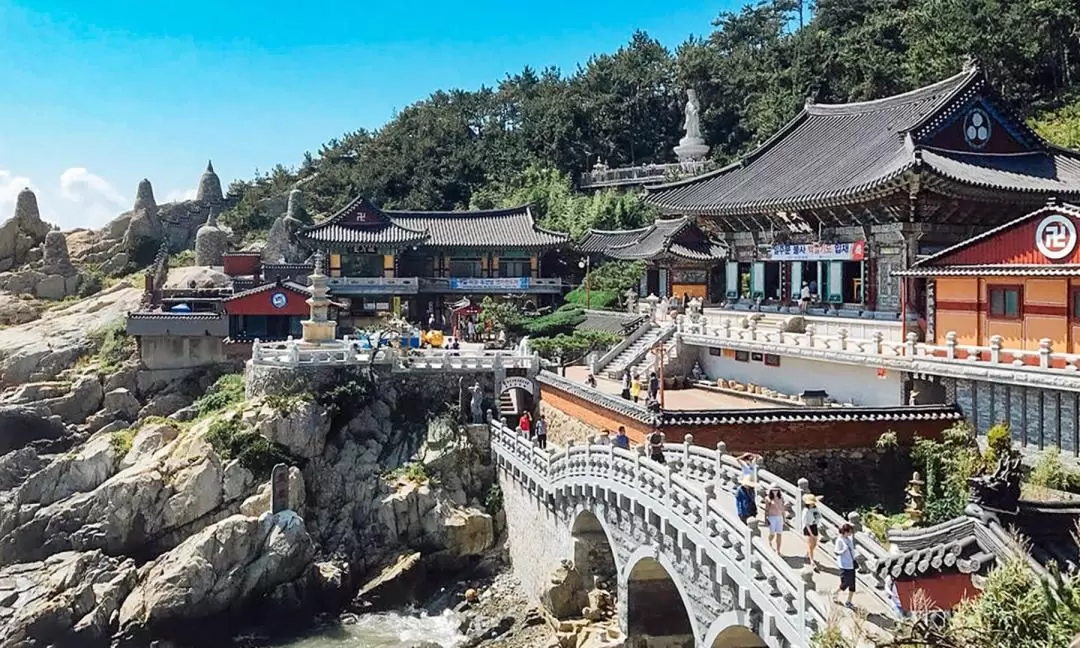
388,266
494,265
534,266
335,265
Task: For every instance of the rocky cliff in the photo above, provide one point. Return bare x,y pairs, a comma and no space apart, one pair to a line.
145,524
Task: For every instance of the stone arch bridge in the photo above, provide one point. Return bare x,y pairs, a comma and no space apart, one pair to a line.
688,572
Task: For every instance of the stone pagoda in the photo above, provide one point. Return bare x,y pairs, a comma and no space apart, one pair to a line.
319,329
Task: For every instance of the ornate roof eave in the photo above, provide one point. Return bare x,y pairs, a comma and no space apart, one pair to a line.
891,184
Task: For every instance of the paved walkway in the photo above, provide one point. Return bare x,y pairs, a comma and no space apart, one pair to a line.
679,399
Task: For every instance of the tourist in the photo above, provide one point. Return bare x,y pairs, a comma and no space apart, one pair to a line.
810,521
845,558
470,330
804,297
656,447
654,385
590,380
745,506
525,424
621,440
431,322
748,462
604,438
635,388
541,432
774,514
626,384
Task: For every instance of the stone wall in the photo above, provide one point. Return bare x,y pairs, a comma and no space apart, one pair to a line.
573,418
539,539
847,478
175,352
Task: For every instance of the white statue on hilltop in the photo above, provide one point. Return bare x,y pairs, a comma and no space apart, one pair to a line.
692,124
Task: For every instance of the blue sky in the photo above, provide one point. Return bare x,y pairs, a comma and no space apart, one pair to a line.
98,94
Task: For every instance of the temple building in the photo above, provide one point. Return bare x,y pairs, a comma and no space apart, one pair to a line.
419,263
844,195
680,258
1016,286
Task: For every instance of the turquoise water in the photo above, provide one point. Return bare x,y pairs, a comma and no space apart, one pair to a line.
385,630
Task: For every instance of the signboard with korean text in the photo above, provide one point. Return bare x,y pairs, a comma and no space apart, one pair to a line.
818,251
688,276
489,283
516,382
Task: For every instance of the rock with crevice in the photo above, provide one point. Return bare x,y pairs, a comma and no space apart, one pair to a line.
301,425
71,599
148,439
21,426
74,472
122,401
84,398
219,568
22,232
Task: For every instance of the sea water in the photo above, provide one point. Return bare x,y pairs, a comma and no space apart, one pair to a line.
384,630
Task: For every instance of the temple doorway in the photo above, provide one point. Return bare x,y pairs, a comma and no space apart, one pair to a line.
516,396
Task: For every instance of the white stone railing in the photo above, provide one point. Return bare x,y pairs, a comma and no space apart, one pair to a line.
294,353
685,492
947,359
604,360
646,173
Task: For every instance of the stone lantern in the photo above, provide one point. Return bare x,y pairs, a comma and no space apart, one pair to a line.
916,499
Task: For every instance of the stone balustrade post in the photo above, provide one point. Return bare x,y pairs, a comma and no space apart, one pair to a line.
680,323
725,326
294,354
1045,349
637,465
704,325
669,492
996,342
780,336
752,326
878,338
912,338
950,345
842,336
688,441
811,330
721,450
256,350
707,494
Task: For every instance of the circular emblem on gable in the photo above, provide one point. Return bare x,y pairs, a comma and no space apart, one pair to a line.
1055,237
977,128
278,300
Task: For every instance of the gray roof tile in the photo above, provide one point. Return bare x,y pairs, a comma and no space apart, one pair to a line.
677,237
832,154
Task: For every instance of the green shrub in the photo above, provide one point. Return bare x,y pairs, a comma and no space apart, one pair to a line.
596,299
887,441
91,282
414,472
112,346
344,400
1050,472
878,524
998,442
493,501
947,466
121,441
254,451
226,390
573,346
285,403
560,322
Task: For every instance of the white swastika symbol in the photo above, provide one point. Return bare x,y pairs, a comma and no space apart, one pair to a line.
1056,237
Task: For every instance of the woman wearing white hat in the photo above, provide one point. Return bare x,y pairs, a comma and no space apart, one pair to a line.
811,518
745,506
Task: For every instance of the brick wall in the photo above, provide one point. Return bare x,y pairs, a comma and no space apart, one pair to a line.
572,417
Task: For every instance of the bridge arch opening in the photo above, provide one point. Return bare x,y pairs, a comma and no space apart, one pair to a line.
656,612
737,636
593,555
516,395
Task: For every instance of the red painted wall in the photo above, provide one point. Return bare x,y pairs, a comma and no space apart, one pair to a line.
259,303
1013,245
240,264
946,590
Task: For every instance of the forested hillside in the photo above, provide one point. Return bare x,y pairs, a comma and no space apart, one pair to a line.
526,136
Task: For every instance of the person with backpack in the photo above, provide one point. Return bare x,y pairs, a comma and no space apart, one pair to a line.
656,447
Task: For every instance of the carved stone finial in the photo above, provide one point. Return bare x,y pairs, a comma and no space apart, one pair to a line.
999,490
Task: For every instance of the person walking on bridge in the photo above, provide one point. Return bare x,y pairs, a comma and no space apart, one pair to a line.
656,447
845,558
774,513
621,440
745,504
626,385
525,424
541,432
811,519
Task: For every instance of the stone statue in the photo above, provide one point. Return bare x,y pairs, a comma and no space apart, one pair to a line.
476,403
631,296
691,123
916,499
693,309
999,490
696,372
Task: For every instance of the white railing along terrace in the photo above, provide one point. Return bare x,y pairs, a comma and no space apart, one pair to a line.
842,347
292,353
684,493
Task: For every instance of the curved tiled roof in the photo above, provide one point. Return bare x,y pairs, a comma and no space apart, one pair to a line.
812,415
836,154
827,151
666,236
288,285
362,223
513,227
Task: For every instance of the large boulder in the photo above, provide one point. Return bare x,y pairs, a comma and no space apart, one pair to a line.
22,232
259,503
122,401
18,309
83,400
71,599
148,439
55,258
469,532
74,472
16,466
220,568
565,596
299,425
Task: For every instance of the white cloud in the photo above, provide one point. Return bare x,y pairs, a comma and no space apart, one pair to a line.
93,200
10,186
178,195
79,185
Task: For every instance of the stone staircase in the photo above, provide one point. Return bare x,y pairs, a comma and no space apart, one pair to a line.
635,354
506,405
645,363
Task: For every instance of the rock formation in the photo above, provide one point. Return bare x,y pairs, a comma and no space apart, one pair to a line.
36,254
211,243
55,259
144,197
281,242
209,190
23,232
